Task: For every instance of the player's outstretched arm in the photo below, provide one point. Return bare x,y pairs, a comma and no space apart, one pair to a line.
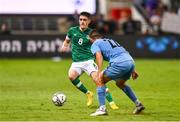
65,46
99,61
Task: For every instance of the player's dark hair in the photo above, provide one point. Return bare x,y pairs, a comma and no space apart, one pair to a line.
84,13
95,34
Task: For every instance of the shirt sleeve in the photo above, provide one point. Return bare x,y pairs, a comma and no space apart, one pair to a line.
95,48
69,35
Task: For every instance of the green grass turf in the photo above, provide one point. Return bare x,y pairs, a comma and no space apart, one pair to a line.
26,88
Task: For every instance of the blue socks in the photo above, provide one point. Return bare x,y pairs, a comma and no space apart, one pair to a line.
129,92
101,91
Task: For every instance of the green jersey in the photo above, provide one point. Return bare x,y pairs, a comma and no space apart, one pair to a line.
80,44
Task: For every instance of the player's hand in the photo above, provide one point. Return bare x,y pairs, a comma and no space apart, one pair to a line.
98,75
65,46
134,75
64,49
100,80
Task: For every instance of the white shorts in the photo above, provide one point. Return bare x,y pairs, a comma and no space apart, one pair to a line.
85,66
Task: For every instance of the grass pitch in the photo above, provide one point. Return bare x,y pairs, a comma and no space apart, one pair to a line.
26,88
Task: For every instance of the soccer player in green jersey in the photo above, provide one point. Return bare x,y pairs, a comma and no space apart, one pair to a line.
83,59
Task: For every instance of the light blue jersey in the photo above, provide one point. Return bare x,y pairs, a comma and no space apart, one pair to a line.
111,50
121,63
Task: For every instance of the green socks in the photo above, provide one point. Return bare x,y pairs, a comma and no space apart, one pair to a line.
79,85
82,88
108,96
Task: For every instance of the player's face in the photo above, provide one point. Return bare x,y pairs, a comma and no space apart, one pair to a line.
83,22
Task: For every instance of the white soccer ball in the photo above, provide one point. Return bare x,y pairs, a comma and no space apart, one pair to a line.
59,98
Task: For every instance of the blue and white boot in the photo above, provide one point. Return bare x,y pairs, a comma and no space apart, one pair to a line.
100,111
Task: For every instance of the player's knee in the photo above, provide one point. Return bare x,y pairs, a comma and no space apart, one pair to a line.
72,75
120,84
71,78
99,83
103,78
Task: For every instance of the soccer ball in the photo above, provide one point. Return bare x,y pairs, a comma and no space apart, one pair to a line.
59,98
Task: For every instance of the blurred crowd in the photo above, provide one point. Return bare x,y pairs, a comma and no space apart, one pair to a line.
104,24
153,11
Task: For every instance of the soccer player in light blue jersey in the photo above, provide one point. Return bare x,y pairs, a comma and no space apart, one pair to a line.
121,68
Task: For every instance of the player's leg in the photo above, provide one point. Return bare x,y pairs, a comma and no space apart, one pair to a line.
74,78
101,99
91,69
103,79
128,68
130,93
74,73
101,92
109,98
127,90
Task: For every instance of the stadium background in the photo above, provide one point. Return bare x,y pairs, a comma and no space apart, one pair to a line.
35,29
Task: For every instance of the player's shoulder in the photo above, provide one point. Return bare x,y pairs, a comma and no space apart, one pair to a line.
98,42
73,28
89,29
